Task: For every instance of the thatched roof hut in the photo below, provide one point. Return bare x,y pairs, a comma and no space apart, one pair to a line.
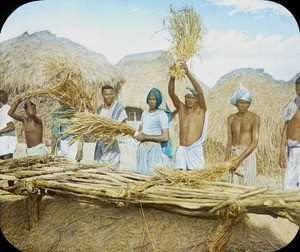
144,71
269,100
27,59
23,59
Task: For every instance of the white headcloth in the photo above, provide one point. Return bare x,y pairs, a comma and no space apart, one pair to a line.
241,93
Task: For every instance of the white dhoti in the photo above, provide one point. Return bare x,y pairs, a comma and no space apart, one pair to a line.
38,150
247,168
68,150
292,172
8,145
189,157
149,155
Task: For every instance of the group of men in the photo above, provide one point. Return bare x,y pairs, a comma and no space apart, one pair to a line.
153,134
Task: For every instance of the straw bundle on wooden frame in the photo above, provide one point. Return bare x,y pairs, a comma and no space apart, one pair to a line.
187,34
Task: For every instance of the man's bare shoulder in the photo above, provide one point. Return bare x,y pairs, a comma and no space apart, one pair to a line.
254,115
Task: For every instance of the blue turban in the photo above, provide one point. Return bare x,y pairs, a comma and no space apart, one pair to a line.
190,90
157,94
241,93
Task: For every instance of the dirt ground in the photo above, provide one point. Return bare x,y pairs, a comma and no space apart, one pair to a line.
74,226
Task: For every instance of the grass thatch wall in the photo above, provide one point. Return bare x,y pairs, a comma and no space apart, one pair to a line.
24,61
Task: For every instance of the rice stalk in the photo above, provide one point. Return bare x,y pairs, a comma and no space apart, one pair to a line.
192,178
92,127
187,33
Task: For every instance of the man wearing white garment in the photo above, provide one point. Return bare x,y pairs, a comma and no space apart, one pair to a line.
8,139
105,153
192,124
242,139
61,143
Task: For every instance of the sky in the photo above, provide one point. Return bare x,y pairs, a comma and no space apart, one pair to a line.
238,33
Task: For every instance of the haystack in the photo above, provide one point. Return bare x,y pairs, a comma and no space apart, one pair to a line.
269,99
25,64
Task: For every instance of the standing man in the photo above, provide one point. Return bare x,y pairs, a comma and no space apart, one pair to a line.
192,124
153,131
8,139
33,126
61,144
113,109
290,142
242,139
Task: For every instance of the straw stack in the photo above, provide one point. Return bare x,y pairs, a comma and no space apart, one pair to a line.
186,29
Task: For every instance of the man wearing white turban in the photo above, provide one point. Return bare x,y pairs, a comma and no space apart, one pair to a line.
192,124
242,139
290,142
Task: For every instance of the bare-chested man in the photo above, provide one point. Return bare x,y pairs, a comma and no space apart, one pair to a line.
242,133
33,126
290,143
192,124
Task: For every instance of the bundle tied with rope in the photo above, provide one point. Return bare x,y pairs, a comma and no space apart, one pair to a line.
187,34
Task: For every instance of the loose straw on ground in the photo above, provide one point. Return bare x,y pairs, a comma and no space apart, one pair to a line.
186,29
92,127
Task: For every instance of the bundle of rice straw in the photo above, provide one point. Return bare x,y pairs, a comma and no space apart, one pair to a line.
193,178
186,30
65,84
92,127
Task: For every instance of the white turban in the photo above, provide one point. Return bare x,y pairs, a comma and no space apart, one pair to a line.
241,93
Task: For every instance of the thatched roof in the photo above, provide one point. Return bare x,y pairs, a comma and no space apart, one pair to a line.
144,71
269,100
33,60
23,60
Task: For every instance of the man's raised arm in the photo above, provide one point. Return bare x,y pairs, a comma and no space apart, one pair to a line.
173,96
13,108
197,87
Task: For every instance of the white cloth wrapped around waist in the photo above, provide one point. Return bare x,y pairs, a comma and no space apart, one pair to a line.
191,157
292,171
247,167
8,144
38,150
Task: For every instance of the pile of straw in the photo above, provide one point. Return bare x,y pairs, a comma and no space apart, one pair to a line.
92,127
186,29
65,85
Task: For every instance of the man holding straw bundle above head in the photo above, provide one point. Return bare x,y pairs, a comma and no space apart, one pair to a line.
192,124
33,126
242,139
106,153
